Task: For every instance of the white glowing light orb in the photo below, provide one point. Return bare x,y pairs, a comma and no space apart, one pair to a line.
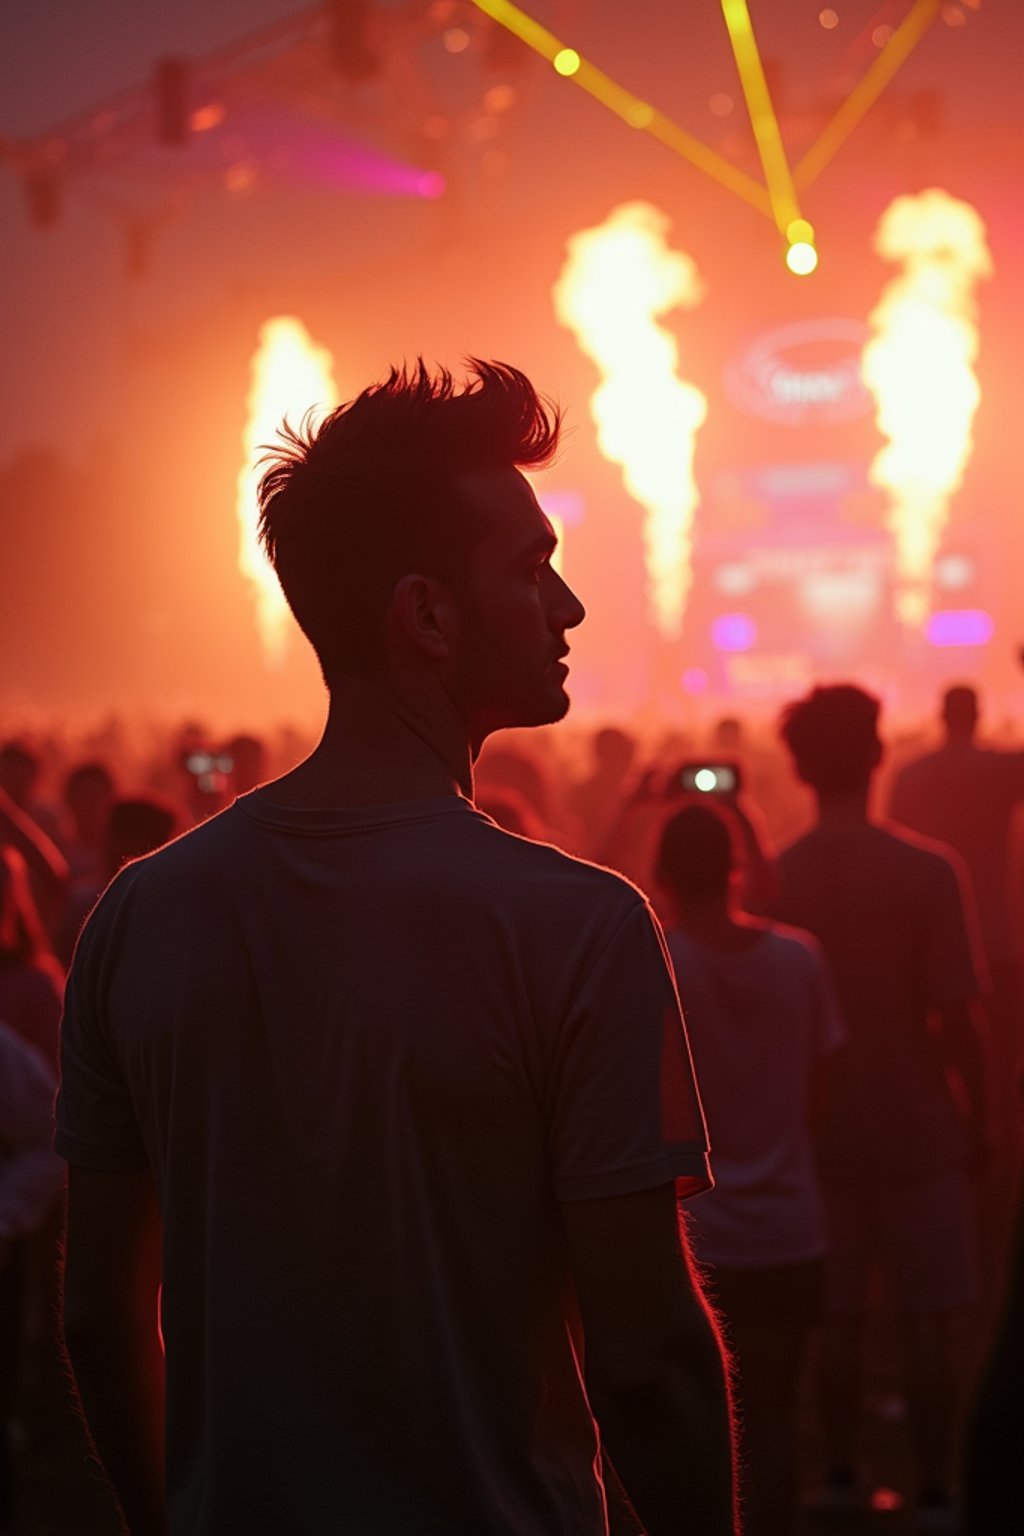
705,780
801,258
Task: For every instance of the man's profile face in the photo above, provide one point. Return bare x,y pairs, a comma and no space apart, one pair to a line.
515,610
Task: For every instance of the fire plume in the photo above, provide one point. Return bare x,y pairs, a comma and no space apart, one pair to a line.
290,374
918,365
617,278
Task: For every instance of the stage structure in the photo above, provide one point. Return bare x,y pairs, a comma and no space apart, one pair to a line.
764,569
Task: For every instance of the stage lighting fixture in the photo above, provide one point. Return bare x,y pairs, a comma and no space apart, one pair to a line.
172,113
352,54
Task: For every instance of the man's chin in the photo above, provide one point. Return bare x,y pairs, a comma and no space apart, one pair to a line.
546,710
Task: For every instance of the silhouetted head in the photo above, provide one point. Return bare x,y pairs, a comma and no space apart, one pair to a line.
960,712
833,736
405,537
697,855
727,735
614,751
20,769
88,795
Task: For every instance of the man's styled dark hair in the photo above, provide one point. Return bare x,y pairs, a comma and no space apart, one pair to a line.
698,850
833,736
372,493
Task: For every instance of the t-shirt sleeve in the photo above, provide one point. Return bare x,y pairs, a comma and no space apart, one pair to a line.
624,1112
96,1121
954,968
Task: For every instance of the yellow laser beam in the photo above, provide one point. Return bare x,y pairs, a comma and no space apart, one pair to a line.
781,190
867,91
632,109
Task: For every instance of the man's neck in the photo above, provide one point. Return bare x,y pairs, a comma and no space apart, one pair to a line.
716,925
843,810
380,747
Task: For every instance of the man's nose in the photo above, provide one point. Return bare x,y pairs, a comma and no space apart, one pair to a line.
570,610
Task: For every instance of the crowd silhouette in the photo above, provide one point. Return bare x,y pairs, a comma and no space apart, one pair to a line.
852,993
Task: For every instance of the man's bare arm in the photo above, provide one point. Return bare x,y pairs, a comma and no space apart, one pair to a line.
655,1367
111,1289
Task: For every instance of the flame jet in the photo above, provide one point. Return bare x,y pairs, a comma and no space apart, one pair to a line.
918,366
616,279
290,374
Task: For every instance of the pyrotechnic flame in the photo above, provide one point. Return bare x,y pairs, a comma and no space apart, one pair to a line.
918,366
616,279
290,373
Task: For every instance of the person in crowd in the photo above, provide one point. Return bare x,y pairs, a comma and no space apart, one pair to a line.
632,839
895,1143
761,1018
89,792
31,978
405,1101
21,772
966,795
993,1485
136,826
30,1177
594,800
46,865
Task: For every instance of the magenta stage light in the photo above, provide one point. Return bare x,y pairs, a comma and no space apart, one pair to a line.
959,626
734,632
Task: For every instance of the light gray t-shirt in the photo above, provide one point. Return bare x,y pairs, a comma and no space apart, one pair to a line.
758,1019
366,1054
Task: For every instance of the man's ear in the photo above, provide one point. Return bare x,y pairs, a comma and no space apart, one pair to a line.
424,611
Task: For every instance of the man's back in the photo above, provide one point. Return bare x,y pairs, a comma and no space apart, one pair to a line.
965,795
887,911
368,1053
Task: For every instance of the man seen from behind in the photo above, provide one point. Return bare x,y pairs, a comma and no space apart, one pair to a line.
403,1100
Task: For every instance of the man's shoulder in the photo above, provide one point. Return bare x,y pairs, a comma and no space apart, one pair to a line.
546,867
912,850
791,945
881,846
184,861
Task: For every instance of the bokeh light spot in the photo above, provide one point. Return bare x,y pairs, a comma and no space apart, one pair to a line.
567,61
431,185
694,681
734,632
959,626
801,258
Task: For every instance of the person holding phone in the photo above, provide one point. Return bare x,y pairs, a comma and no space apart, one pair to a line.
762,1017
